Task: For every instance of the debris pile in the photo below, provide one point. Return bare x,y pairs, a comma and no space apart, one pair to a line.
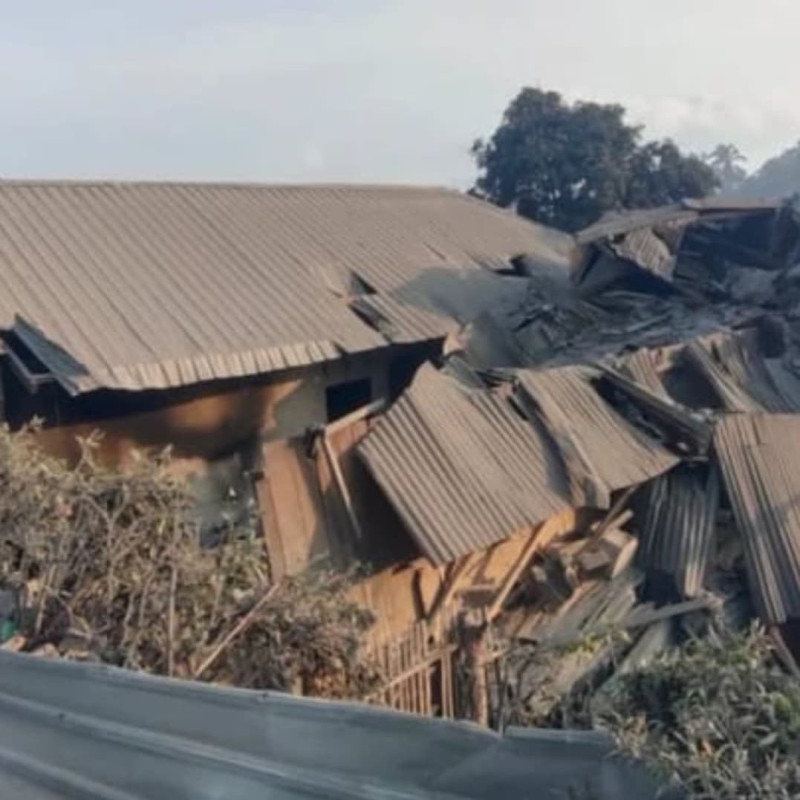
657,393
107,566
681,327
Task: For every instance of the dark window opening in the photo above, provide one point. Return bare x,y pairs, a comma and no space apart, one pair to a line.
342,398
24,355
32,373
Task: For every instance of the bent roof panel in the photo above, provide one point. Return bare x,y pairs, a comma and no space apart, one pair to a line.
461,467
137,285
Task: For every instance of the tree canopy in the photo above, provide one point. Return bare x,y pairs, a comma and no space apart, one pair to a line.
566,164
728,165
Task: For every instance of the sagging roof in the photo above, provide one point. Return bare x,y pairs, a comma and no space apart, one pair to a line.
603,452
80,730
155,285
467,467
687,211
758,455
682,244
461,467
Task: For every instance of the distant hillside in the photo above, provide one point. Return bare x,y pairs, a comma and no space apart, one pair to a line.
778,177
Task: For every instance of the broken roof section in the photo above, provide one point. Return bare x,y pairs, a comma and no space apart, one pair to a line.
676,244
602,451
148,286
461,466
465,469
760,459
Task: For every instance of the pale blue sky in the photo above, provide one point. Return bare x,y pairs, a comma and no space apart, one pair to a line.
371,91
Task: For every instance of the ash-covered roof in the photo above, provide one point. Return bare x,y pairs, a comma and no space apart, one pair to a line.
155,285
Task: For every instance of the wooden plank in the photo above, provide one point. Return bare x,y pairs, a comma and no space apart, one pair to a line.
269,524
400,676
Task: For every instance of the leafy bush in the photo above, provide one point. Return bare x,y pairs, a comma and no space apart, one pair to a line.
720,713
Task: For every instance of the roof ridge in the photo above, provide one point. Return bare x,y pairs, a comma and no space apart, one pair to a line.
332,186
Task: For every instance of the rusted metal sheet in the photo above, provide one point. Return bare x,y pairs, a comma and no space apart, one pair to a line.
603,452
758,455
461,467
678,526
149,286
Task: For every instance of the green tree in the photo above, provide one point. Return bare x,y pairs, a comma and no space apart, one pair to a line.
566,164
728,165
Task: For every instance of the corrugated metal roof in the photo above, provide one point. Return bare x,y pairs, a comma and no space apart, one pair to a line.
402,323
649,251
136,285
70,730
760,459
614,224
642,366
741,377
678,530
602,450
461,467
680,214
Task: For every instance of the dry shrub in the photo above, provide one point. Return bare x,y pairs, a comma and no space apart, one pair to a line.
310,641
108,566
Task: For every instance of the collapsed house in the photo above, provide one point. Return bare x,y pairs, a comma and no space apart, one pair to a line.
516,430
243,326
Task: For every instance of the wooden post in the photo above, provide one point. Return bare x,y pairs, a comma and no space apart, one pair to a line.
474,637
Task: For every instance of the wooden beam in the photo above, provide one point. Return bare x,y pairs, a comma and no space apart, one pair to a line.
614,512
513,574
642,617
375,407
697,432
341,485
450,584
